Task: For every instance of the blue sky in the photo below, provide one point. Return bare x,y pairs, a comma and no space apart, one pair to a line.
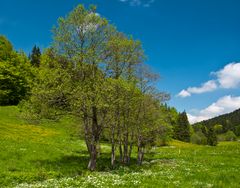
193,44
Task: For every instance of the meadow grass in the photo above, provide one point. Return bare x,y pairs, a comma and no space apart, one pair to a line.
50,154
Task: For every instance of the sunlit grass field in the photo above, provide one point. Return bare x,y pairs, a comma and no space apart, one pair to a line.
50,154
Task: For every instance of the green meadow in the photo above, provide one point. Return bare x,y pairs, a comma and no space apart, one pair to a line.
51,154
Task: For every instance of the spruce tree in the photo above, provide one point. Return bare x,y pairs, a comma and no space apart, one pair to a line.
182,129
35,56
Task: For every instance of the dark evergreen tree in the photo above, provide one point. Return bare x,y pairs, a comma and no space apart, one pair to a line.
237,130
35,56
182,129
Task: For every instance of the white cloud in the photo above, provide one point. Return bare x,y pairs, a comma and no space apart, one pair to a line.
208,86
184,93
148,4
227,78
205,87
223,105
193,119
135,2
144,3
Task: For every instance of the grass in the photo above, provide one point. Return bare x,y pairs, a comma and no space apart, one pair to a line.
50,154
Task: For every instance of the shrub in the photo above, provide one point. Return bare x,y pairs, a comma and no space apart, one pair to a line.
228,136
237,130
198,138
211,137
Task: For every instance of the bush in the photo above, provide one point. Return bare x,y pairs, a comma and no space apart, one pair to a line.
228,136
211,137
164,135
237,130
198,138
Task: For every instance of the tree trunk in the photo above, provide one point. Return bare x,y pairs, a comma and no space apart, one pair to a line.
125,152
140,150
130,153
113,157
98,148
120,151
86,132
131,146
140,155
95,136
120,144
93,158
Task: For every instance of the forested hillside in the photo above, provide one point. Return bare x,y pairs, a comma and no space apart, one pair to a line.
228,122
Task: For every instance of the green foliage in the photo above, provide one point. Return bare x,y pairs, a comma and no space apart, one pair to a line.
208,133
35,56
228,121
199,138
5,49
97,74
228,136
49,93
218,129
237,130
211,137
15,79
92,82
182,129
164,135
167,120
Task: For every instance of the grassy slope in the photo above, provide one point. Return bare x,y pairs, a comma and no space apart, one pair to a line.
50,154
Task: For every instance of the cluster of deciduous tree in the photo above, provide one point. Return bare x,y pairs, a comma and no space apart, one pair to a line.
97,74
15,74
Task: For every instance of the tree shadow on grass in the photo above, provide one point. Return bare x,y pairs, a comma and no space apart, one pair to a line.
72,165
68,165
76,164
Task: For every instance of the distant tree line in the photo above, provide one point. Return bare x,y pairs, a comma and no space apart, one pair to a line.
226,127
227,122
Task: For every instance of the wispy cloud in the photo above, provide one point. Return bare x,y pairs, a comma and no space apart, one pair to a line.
208,86
223,105
143,3
148,4
227,78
